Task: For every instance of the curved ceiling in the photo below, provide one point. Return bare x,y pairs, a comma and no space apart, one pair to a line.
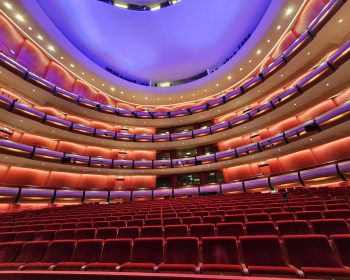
169,44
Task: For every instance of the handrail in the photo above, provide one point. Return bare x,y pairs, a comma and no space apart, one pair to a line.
317,74
288,54
301,130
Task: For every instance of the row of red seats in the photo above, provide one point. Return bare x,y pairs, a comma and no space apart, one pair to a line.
123,221
306,255
285,227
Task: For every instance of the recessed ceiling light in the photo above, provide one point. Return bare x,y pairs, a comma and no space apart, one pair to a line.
327,84
103,85
217,85
93,79
72,65
268,41
258,52
205,90
121,5
133,96
310,139
308,53
289,11
33,90
169,98
20,17
340,20
155,8
8,5
193,94
112,88
40,37
281,75
181,96
30,28
51,48
83,73
146,98
250,61
62,57
229,77
241,69
279,27
122,92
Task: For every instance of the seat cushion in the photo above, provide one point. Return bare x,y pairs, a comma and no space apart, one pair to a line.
224,268
137,266
10,266
188,268
101,266
272,270
37,266
69,266
324,271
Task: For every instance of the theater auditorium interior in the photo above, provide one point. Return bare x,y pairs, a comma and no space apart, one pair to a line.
174,139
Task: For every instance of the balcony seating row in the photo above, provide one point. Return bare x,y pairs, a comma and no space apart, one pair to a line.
304,255
312,78
339,114
326,13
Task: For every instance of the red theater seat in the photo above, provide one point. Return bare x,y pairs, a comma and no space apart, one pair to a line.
258,217
65,234
342,245
114,253
45,235
235,218
220,256
337,214
308,215
106,233
129,232
263,255
293,227
181,255
230,229
212,219
151,231
85,233
58,251
9,251
137,223
172,221
314,255
201,230
25,236
7,236
175,231
146,254
278,216
30,252
260,228
86,251
191,220
330,226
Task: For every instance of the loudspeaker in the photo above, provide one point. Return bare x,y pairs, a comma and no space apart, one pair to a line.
312,127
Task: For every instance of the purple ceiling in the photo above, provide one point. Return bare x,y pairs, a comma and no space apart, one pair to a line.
169,44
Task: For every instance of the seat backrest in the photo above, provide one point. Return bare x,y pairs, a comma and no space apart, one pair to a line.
330,226
175,231
263,250
334,214
151,231
310,251
212,219
87,250
308,215
116,251
172,221
260,228
101,224
106,233
153,222
220,250
293,227
128,232
45,235
234,218
136,222
342,245
59,251
64,234
117,223
53,226
257,217
200,230
68,226
148,250
25,236
182,250
278,216
32,251
191,220
84,225
7,236
85,233
9,251
230,229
